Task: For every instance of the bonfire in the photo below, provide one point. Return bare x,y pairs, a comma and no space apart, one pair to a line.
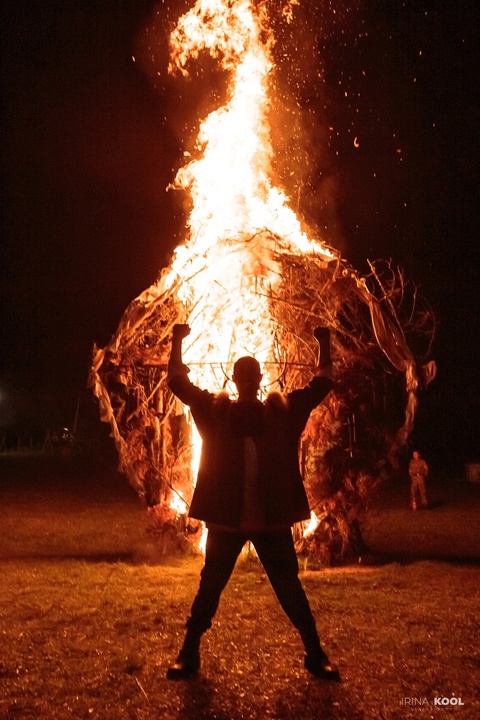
252,278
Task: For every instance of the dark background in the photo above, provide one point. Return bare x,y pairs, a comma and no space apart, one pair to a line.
91,139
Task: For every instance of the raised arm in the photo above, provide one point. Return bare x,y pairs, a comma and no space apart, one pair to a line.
302,401
178,381
175,362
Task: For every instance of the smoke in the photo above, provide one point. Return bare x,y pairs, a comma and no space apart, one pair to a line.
308,40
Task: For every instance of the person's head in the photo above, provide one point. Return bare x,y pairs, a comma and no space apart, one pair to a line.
416,454
247,377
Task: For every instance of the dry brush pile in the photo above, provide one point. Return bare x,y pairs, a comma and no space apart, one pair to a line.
382,333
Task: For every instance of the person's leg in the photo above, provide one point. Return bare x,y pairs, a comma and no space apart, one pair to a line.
422,491
413,493
277,555
221,553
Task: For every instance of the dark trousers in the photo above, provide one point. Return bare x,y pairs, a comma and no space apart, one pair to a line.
277,555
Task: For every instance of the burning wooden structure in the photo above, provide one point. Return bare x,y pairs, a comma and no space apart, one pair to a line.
354,429
250,279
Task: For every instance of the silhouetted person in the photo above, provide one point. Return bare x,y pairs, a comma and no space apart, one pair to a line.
249,487
418,471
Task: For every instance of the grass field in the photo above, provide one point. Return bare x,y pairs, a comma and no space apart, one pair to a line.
91,614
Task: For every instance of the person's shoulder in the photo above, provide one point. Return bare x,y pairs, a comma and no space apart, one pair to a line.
318,385
188,392
221,400
276,401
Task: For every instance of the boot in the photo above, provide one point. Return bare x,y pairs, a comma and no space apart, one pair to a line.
187,663
185,667
316,660
320,666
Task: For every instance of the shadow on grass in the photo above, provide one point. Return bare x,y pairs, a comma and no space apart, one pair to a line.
308,699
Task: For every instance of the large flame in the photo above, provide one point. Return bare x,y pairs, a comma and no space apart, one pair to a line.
227,264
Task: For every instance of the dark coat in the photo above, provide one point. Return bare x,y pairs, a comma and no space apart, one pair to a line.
276,426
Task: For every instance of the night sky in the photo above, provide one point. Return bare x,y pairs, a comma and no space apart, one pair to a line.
389,91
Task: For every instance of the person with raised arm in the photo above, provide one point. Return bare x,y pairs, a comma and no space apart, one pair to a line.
249,488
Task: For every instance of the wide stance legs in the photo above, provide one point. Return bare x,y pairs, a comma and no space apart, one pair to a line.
277,555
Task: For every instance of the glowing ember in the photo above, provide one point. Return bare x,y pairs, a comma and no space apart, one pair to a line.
178,503
311,525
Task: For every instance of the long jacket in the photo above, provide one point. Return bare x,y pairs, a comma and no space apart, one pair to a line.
276,427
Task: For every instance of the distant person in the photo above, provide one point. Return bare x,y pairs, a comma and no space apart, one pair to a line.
249,487
418,471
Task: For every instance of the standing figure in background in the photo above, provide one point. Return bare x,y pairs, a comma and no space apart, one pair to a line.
249,487
418,471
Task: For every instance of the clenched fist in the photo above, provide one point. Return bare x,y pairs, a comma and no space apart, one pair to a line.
180,331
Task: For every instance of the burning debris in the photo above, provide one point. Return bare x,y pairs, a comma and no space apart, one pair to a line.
249,279
348,440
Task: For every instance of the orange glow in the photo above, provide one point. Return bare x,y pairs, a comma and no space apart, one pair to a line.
310,526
